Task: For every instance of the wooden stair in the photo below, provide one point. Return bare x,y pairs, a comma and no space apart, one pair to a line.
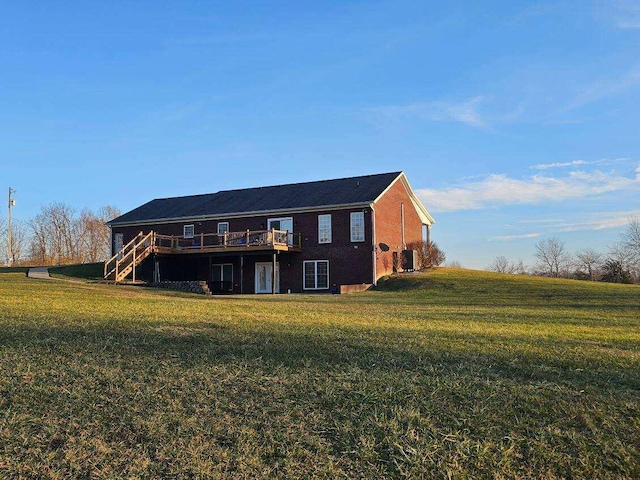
123,263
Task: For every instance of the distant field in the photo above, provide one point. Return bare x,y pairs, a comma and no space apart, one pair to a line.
453,373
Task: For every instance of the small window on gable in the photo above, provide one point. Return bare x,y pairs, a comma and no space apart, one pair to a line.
223,227
188,231
357,226
324,228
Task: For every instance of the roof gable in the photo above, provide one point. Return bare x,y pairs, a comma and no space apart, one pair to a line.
324,193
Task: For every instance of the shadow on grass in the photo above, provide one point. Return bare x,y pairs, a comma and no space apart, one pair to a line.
494,357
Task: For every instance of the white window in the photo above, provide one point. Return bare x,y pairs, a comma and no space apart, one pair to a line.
223,227
188,231
324,228
316,274
357,226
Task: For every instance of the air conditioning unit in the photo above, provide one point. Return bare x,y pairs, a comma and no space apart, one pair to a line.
409,260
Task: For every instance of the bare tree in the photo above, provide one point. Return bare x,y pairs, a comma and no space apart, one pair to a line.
623,254
631,240
96,236
552,256
39,249
18,240
61,236
429,254
500,264
61,231
520,268
588,260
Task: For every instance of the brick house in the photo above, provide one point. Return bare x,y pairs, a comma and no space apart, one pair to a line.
325,236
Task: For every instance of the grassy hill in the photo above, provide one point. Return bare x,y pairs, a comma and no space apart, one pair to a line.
450,373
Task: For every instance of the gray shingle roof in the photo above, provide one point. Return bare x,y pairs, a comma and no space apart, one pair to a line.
342,191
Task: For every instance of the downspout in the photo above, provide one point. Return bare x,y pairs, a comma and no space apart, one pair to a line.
404,245
373,246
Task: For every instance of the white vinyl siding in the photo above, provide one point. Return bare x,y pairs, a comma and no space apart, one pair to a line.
324,228
316,274
188,231
357,226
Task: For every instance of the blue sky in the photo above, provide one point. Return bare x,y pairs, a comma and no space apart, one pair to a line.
514,121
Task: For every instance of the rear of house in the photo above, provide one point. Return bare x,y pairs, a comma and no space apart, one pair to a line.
325,236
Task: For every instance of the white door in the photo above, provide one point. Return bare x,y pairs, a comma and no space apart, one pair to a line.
118,243
283,224
264,277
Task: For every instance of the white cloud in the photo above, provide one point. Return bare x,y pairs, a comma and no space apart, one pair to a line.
498,190
506,238
576,163
599,221
626,14
605,87
546,166
463,112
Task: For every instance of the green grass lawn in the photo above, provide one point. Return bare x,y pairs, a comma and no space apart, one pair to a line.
85,271
450,374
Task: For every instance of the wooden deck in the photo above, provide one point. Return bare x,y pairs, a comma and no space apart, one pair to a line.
249,240
133,253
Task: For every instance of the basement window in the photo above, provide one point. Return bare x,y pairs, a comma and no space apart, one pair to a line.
188,231
316,274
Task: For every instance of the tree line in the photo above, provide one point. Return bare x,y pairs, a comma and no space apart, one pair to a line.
59,234
619,264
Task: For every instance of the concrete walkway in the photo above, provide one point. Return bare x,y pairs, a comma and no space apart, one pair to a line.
38,272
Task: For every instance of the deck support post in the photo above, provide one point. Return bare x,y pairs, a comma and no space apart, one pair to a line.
273,280
241,274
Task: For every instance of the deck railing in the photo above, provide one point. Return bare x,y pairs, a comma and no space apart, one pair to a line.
248,238
124,262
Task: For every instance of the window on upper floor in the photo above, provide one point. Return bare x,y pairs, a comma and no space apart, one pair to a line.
357,226
324,228
188,231
223,227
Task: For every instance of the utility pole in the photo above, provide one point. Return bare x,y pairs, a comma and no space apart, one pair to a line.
12,203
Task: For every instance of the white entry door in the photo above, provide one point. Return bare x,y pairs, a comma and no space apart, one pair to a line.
118,243
264,277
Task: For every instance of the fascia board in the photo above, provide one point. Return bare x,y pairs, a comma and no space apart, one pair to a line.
422,212
225,216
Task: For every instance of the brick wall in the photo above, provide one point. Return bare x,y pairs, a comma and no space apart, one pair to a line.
389,226
349,262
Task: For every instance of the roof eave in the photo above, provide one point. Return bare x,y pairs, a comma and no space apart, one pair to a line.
231,215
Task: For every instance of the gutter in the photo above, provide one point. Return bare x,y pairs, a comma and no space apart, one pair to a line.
225,216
